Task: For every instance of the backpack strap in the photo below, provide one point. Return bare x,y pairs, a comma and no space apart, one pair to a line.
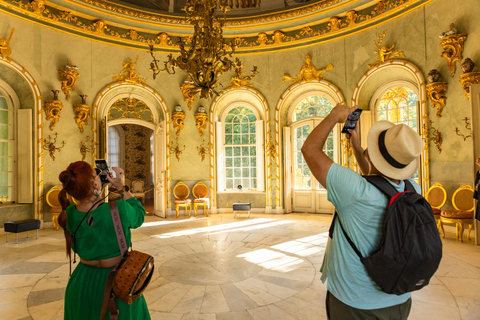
332,227
383,185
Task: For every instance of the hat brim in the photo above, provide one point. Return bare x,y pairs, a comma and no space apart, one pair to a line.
377,158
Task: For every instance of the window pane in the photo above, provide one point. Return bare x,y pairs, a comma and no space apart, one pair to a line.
237,162
228,128
228,151
228,139
245,139
236,151
245,162
229,173
229,184
228,162
237,139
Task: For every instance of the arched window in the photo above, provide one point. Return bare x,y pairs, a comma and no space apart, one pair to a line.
114,159
7,149
242,161
398,105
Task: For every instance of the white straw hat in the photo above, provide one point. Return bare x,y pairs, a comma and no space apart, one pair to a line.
394,149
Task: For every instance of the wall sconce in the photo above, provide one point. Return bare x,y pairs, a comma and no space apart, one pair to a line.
467,126
434,135
84,149
452,44
177,117
202,150
68,77
468,77
435,91
174,148
49,145
82,113
52,109
201,120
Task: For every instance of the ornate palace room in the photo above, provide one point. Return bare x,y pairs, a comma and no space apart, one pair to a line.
205,105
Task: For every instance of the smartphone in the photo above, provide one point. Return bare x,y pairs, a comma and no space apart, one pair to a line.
102,165
352,119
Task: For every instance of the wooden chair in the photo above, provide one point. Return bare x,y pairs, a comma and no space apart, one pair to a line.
138,190
56,207
200,192
437,197
463,203
181,192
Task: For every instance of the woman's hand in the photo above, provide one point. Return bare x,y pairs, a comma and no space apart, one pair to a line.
119,181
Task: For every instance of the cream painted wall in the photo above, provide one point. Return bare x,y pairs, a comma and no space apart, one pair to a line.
43,51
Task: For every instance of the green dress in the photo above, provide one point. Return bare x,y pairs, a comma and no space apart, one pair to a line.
85,288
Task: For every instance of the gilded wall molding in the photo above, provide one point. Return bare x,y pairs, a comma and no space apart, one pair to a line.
95,25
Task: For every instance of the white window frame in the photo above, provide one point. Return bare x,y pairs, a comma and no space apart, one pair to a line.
13,106
121,145
259,143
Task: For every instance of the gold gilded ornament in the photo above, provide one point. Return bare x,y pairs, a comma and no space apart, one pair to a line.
100,26
175,149
82,113
452,50
84,149
38,6
434,135
189,91
68,77
468,79
177,119
202,149
201,120
240,80
334,24
278,37
262,39
384,53
52,109
5,50
163,39
308,72
49,145
351,17
128,73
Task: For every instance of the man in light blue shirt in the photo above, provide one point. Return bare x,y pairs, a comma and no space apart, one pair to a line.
393,152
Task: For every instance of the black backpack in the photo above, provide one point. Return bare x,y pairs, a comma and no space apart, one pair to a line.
411,249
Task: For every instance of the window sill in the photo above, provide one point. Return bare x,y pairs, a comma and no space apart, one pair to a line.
237,192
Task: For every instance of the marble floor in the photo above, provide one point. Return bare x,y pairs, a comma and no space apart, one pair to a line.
219,267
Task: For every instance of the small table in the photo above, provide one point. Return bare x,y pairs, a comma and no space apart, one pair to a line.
238,206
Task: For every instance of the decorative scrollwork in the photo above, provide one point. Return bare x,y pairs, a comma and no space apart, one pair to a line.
240,80
203,150
52,109
468,79
178,116
84,149
128,73
175,149
435,92
468,127
68,77
452,50
82,113
49,144
5,50
201,120
431,133
130,108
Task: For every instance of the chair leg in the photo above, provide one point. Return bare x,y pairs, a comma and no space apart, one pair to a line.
440,228
470,227
178,210
459,231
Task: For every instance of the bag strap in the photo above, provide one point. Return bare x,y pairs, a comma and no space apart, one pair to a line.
108,298
332,227
117,223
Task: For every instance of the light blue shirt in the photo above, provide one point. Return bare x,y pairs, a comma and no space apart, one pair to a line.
361,207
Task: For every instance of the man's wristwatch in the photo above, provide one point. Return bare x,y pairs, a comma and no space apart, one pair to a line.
124,189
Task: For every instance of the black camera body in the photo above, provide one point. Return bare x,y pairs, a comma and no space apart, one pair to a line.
102,165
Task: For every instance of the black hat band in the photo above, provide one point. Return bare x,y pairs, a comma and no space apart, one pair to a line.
385,154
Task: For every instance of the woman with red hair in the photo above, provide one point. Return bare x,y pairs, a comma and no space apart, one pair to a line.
89,231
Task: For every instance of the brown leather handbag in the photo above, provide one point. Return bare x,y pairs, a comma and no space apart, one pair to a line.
130,277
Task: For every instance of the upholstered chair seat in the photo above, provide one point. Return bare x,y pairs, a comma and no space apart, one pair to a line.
200,192
462,216
181,192
437,196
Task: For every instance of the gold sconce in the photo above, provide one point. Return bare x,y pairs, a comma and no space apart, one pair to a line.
177,117
174,148
435,91
49,145
188,91
68,77
468,77
202,150
5,50
467,126
201,120
82,113
240,80
434,135
452,44
52,109
84,149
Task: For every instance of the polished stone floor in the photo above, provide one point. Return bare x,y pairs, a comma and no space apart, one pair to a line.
219,267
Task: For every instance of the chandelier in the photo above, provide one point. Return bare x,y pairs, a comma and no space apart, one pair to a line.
207,55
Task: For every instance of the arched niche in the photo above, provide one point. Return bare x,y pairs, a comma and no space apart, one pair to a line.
389,72
295,93
252,98
160,126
